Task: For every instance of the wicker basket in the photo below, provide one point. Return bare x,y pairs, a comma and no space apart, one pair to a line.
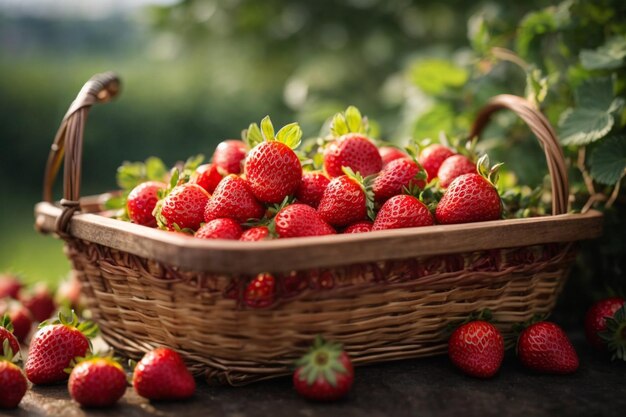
385,295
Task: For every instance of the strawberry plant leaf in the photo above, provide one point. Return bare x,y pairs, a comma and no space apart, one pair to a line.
608,160
155,169
290,135
536,86
267,129
130,174
436,76
354,120
253,135
611,55
115,202
338,126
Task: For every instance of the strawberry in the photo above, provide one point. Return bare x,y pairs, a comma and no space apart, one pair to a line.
272,168
141,201
20,318
301,220
233,199
255,234
12,382
55,345
97,382
544,347
68,293
162,375
477,348
359,227
325,373
10,286
260,292
6,333
471,197
390,153
182,208
312,188
605,326
229,155
39,302
431,158
454,166
220,229
397,175
206,176
346,200
402,211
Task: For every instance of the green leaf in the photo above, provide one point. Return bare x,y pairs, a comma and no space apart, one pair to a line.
253,135
193,162
267,128
608,160
595,93
439,118
609,56
537,24
536,86
130,174
115,202
155,169
339,126
354,119
436,76
290,135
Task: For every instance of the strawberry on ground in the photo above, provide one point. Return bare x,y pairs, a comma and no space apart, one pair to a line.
402,211
595,320
6,333
453,167
346,200
544,347
233,199
68,293
39,302
162,375
229,155
352,149
13,385
312,188
477,349
55,345
272,168
359,227
298,220
255,234
325,373
141,201
207,176
220,229
397,175
10,286
20,317
390,153
260,292
431,158
182,208
97,382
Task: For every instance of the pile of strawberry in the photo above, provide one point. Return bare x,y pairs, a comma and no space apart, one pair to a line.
264,189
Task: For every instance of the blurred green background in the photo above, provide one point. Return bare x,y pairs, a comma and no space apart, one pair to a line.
197,72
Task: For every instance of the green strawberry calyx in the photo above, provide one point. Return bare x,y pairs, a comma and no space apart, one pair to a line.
490,173
106,357
5,322
349,121
7,352
70,319
366,185
322,360
290,134
615,333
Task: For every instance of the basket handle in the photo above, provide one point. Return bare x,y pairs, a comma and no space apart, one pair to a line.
69,142
546,135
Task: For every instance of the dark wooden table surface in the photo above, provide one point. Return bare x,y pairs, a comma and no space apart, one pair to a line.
422,387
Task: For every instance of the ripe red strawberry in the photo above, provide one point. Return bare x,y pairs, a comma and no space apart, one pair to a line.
261,291
20,318
431,158
470,198
12,382
390,153
68,293
402,211
220,229
229,155
359,227
6,333
346,200
396,176
325,373
255,234
10,286
272,168
39,302
97,382
605,326
312,188
544,347
54,346
141,202
162,375
299,220
182,208
354,151
477,348
453,167
233,199
207,176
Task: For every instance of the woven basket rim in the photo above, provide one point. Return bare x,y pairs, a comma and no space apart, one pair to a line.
283,255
